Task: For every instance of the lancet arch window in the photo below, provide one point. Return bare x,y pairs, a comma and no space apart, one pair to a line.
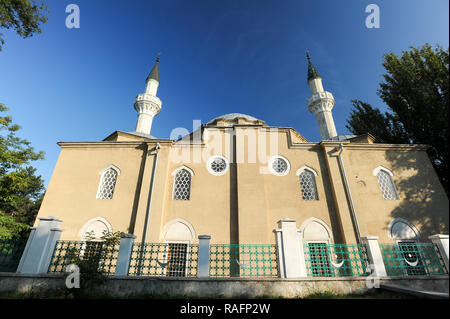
108,182
182,183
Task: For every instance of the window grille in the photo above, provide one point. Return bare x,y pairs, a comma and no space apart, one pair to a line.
335,260
164,259
177,260
410,258
182,187
102,256
107,184
320,264
279,165
218,165
387,185
308,185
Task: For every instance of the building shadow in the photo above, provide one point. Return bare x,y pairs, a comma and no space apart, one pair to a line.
424,202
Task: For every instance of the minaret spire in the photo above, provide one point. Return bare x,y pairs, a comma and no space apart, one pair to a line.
320,103
154,73
148,104
312,71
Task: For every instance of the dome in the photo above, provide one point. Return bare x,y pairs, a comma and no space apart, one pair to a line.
233,116
344,137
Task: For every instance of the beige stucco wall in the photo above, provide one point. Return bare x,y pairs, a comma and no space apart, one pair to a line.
72,190
422,200
245,204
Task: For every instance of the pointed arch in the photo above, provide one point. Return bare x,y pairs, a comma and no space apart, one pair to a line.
316,230
178,230
308,183
382,168
402,229
182,183
303,168
112,166
96,225
386,183
108,180
175,171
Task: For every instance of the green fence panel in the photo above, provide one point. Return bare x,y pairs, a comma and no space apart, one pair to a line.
164,260
69,252
335,260
412,259
243,260
10,253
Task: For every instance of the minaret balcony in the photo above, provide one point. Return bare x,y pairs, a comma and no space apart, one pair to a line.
319,102
149,104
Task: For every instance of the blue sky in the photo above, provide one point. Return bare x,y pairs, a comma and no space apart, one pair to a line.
217,57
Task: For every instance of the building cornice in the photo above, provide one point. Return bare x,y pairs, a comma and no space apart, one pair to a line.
375,146
113,144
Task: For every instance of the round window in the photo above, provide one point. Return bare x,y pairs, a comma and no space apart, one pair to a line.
217,165
279,165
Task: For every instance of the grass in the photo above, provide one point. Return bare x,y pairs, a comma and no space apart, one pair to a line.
372,294
67,294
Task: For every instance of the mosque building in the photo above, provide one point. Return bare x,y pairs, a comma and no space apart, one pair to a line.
236,177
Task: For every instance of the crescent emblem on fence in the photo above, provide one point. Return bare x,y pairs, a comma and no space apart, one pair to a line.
335,264
241,265
162,265
412,263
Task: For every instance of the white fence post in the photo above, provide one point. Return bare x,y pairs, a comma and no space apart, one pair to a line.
441,241
291,257
40,246
124,255
203,256
375,256
53,236
26,249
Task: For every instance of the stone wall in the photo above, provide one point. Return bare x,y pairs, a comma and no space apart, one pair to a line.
217,288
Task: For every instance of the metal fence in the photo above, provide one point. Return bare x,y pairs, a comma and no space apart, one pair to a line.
243,260
92,253
164,260
10,253
335,260
412,259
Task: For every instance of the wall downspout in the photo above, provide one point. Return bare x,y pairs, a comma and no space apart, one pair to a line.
347,189
150,194
149,205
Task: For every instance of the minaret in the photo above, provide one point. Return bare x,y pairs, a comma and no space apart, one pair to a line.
148,104
320,103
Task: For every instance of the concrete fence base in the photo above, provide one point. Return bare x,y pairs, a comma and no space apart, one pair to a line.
123,287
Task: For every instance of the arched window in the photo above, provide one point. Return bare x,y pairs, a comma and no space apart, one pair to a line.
95,228
317,237
400,229
386,183
308,184
182,183
91,239
107,182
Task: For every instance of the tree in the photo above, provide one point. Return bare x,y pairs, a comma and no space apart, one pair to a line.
21,190
24,16
91,259
415,90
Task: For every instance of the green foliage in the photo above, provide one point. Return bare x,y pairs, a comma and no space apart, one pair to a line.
91,258
21,191
415,89
384,126
9,228
23,16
